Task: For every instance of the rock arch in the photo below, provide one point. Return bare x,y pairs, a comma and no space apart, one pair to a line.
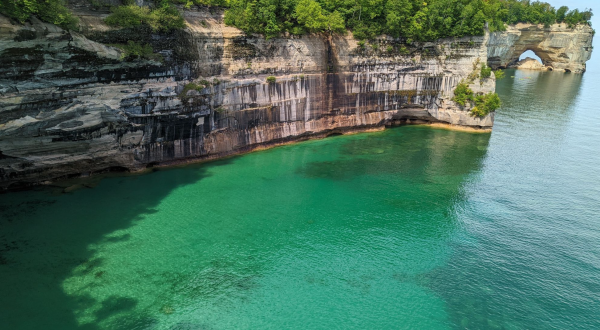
529,53
529,60
559,47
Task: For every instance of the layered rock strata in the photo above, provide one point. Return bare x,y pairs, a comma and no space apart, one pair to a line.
559,47
71,105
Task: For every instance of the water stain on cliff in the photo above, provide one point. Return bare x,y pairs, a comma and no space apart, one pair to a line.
96,110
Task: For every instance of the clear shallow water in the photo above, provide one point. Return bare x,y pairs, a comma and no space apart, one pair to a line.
410,228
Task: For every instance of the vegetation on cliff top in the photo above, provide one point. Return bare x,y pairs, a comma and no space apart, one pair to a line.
416,20
164,17
51,11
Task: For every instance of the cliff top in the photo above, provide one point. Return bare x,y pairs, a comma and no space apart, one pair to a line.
414,20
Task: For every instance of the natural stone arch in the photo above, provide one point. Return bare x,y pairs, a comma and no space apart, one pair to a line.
529,53
559,47
530,60
544,58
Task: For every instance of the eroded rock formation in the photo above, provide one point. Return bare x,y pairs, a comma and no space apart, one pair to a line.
69,104
529,64
558,46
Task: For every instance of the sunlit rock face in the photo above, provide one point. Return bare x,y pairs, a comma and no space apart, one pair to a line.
70,105
529,64
558,46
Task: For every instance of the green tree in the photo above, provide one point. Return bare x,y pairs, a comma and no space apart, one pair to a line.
399,16
129,16
51,11
415,20
310,14
164,18
561,13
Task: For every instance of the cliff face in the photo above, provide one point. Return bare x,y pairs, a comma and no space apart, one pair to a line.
69,105
559,47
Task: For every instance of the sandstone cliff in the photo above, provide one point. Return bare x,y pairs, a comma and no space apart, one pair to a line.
558,46
69,104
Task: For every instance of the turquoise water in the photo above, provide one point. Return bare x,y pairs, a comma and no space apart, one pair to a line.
409,228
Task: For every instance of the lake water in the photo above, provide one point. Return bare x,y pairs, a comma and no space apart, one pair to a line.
409,228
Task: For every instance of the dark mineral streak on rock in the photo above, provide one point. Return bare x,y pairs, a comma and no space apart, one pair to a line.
69,103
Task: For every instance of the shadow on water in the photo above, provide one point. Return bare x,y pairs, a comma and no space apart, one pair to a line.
45,238
390,177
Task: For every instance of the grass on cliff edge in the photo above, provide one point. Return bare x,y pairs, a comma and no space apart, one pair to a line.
199,86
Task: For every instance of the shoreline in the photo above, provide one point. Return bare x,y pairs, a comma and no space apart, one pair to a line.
458,128
67,185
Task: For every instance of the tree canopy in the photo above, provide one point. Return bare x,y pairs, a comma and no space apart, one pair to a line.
418,20
51,11
415,20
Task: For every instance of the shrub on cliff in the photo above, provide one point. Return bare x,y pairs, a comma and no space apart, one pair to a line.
482,104
51,11
192,86
486,71
462,94
499,74
485,103
164,18
129,16
133,50
271,79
